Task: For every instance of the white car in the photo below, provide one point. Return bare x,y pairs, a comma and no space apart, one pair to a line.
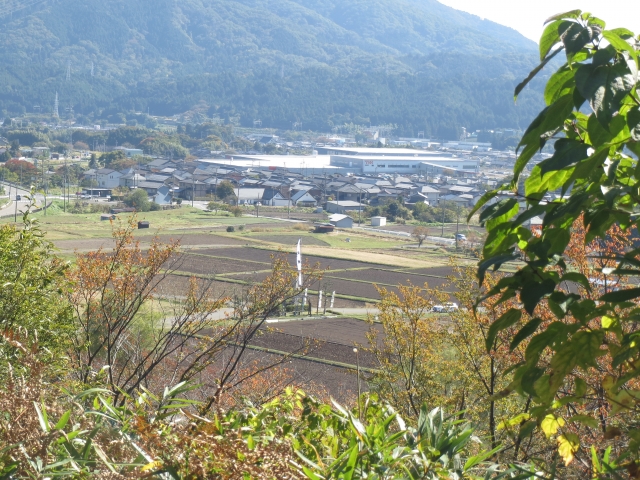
445,308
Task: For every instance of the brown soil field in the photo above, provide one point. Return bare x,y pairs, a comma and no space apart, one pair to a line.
336,352
186,240
205,265
435,271
259,255
290,240
388,277
176,285
191,239
341,286
84,245
345,331
339,383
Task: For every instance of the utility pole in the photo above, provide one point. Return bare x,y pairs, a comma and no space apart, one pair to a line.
64,184
442,234
193,190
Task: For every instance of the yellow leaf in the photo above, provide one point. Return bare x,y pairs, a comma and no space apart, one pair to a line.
156,464
551,424
568,445
514,421
608,322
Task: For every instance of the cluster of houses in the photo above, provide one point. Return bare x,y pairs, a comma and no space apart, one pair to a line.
165,181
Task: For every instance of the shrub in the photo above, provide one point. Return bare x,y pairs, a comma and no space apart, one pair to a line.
154,207
139,200
241,227
231,228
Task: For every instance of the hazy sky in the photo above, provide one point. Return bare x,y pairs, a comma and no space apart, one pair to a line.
528,16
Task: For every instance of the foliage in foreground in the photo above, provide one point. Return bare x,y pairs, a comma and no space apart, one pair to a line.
581,368
49,431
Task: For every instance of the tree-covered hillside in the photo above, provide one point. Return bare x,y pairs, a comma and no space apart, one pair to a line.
416,63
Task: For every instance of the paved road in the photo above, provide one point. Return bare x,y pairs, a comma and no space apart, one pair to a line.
10,209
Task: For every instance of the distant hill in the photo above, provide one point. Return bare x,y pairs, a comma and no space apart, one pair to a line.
416,63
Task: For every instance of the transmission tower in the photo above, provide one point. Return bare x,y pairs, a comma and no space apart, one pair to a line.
55,107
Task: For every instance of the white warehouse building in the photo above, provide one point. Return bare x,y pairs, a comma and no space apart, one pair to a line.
401,164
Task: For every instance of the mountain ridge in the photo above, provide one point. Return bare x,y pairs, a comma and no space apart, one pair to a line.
133,45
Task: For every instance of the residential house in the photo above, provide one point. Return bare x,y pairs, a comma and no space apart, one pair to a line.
150,187
190,189
163,195
131,179
274,198
249,196
108,178
430,193
343,206
304,199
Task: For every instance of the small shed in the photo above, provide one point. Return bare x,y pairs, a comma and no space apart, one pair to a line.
143,224
341,221
378,221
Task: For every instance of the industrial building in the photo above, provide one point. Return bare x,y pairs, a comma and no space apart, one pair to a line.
355,160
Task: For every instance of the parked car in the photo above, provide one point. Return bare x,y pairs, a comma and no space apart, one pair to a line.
445,308
461,237
18,198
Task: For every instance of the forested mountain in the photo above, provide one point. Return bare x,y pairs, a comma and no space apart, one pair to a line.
416,63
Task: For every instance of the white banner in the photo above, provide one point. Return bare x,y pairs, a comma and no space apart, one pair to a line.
299,262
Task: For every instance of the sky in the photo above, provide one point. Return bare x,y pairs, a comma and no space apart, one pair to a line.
528,16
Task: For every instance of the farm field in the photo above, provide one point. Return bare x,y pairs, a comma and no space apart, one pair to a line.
231,262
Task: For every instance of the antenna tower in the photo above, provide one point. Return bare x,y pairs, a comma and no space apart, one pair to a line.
55,107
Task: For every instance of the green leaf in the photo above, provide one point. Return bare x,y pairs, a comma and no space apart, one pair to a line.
63,420
500,213
538,184
581,387
493,262
584,420
605,87
618,42
507,319
525,332
534,292
621,295
482,201
532,74
576,37
561,83
551,36
567,152
350,467
578,278
546,124
633,120
622,33
569,14
527,429
476,459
